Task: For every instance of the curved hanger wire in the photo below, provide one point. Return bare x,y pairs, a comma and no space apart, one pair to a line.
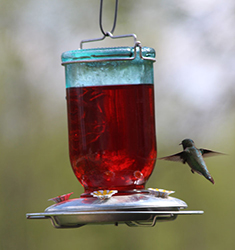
110,34
106,33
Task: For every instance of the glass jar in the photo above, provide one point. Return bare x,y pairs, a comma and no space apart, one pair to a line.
111,121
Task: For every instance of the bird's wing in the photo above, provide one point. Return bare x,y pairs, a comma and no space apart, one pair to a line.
176,157
208,153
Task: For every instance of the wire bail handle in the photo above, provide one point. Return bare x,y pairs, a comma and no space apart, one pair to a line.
110,34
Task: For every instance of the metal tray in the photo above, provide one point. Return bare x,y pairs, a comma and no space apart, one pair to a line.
130,218
132,210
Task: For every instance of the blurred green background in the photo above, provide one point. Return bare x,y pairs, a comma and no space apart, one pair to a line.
195,98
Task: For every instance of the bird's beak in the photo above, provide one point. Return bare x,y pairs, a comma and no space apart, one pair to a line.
180,143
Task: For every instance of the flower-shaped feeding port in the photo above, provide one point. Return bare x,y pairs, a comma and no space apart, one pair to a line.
157,192
61,198
104,194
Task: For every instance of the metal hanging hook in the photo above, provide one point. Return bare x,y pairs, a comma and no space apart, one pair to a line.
137,44
114,21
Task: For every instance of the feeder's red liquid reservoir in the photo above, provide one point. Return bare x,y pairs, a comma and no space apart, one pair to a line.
112,135
111,122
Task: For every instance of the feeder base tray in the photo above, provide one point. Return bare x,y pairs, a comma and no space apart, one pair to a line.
130,218
132,210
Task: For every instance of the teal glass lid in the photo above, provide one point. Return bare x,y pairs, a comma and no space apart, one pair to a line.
108,54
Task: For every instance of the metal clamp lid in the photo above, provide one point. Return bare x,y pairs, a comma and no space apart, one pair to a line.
117,57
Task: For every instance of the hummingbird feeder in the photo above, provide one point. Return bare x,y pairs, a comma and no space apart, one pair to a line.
112,138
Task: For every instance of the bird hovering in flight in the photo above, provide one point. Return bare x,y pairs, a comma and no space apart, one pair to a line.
194,157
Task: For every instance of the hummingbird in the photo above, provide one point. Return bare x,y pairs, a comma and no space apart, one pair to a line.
194,157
